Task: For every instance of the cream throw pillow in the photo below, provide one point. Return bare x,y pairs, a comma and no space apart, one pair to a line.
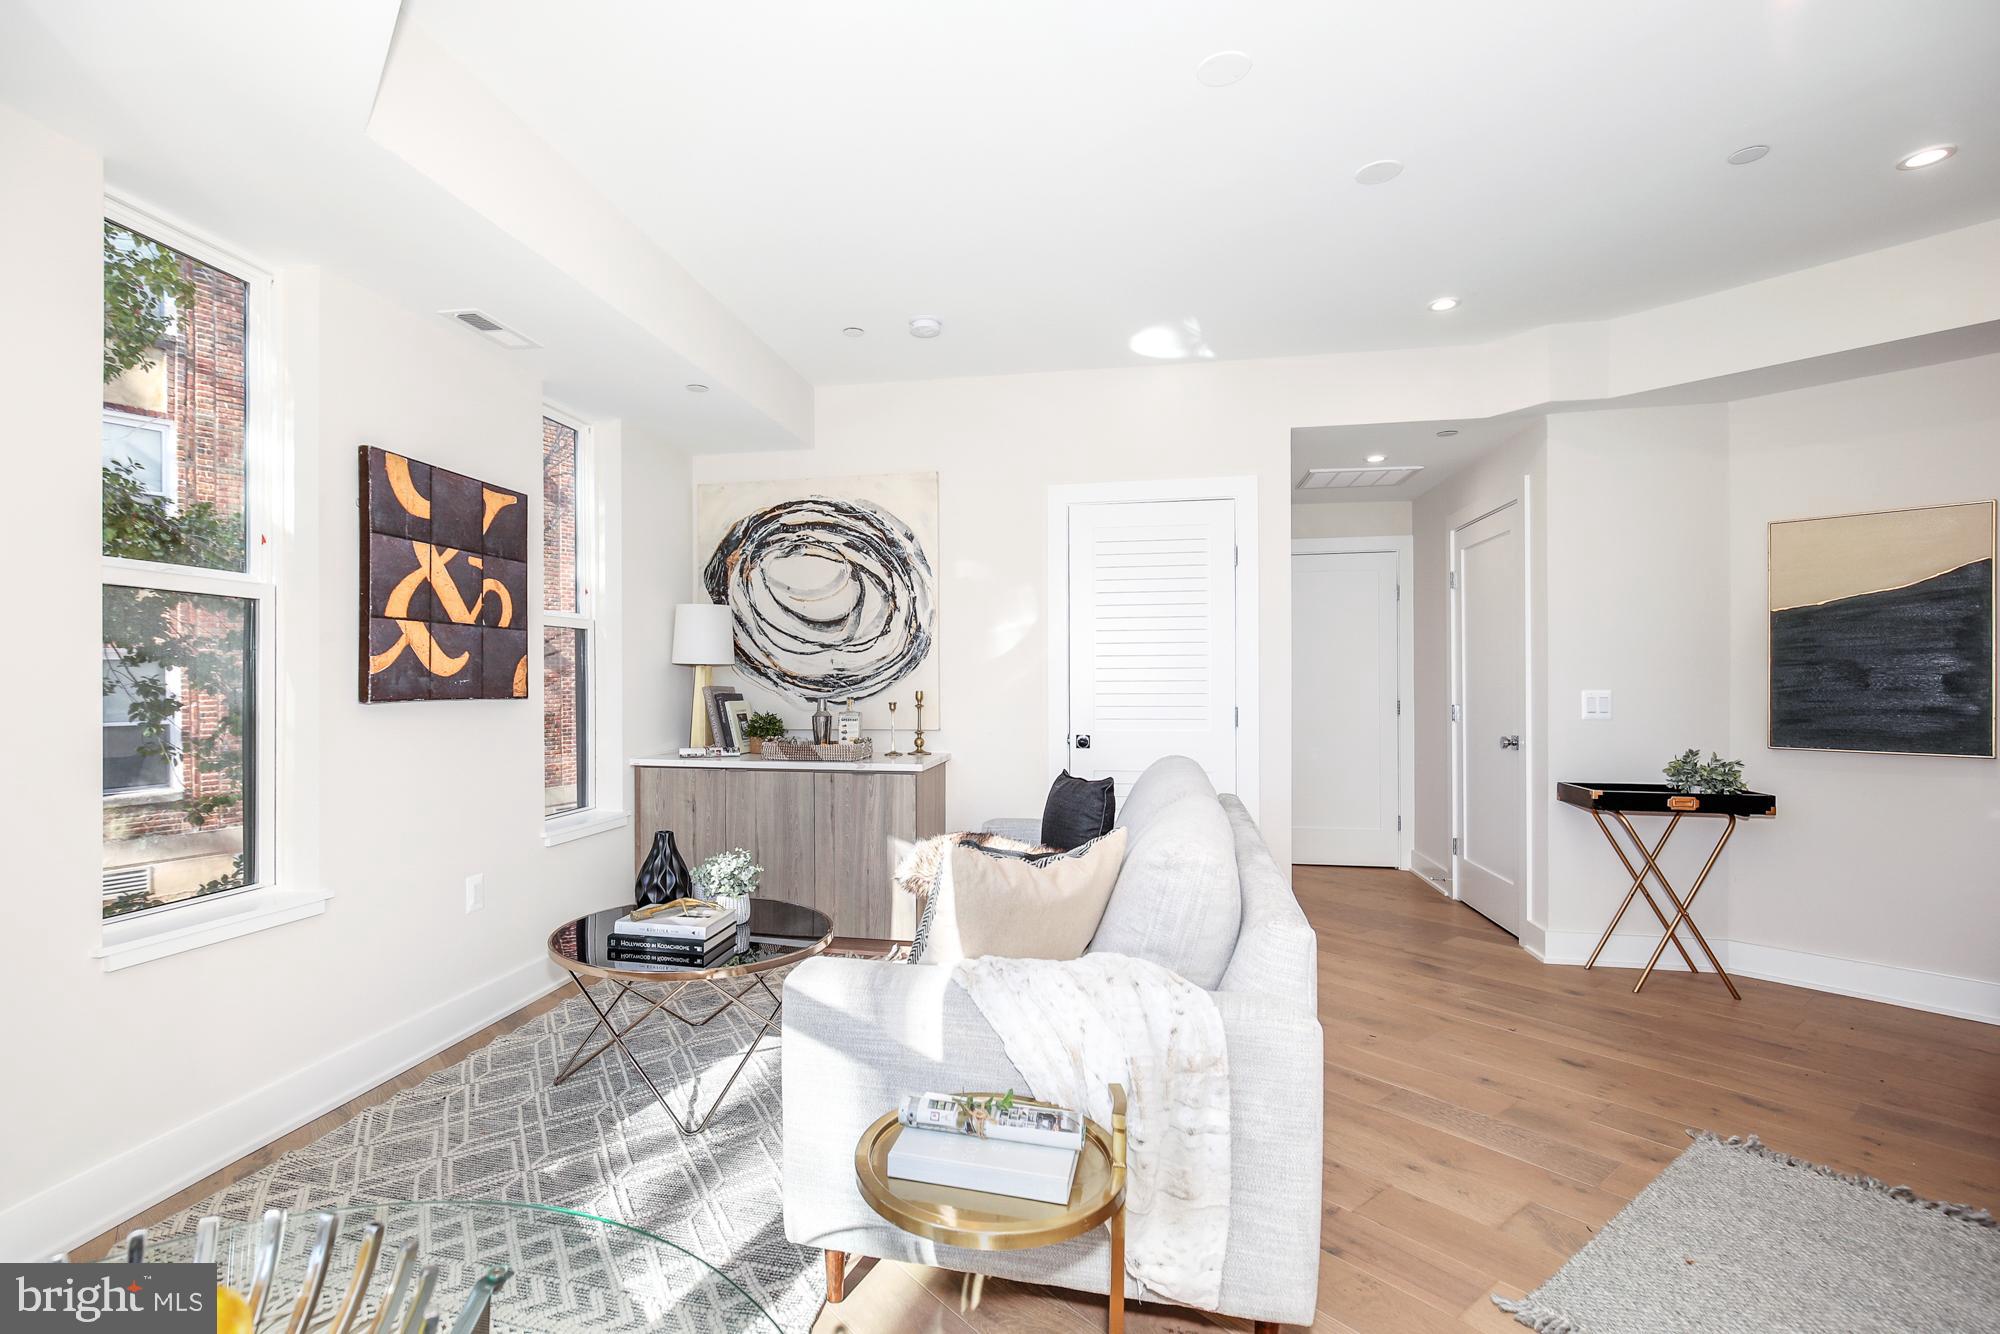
1023,908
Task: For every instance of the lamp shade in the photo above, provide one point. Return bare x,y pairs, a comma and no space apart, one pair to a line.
703,635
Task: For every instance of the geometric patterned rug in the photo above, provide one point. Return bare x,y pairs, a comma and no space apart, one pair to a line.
495,1127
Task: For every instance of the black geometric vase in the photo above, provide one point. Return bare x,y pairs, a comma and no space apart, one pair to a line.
664,877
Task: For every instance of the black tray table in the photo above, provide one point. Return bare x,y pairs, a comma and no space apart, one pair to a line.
1624,800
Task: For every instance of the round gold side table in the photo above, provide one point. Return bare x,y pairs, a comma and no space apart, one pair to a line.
980,1221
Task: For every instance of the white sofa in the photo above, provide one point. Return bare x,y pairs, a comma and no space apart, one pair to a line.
1198,893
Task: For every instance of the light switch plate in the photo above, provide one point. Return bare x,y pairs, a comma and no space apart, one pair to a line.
475,893
1597,706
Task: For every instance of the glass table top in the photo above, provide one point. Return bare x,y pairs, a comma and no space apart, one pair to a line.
572,1272
779,934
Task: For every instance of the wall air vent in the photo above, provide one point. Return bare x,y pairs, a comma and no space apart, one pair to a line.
127,880
1340,479
492,328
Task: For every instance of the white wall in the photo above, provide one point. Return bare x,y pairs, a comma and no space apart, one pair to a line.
147,1078
1360,518
1638,556
1889,859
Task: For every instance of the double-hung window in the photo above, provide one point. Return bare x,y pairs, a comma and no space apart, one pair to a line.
188,573
570,567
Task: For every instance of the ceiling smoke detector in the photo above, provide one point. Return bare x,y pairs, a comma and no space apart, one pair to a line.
480,322
1447,433
1379,172
925,326
1222,69
1341,479
1743,157
854,331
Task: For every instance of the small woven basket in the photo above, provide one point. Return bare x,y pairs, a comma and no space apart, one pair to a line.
806,753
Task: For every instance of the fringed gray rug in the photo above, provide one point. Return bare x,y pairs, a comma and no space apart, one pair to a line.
495,1127
1735,1236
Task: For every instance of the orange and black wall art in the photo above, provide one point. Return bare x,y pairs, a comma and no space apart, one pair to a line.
444,584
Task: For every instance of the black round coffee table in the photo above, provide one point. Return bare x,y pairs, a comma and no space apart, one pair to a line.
779,935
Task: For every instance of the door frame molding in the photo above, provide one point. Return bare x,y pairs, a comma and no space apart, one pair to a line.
1243,492
1404,546
1530,746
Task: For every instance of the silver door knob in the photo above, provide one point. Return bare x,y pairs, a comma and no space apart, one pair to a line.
1510,743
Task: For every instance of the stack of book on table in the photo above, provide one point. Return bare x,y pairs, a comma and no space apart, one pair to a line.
685,934
1028,1150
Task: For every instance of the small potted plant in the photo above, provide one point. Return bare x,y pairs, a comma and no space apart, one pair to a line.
729,877
763,727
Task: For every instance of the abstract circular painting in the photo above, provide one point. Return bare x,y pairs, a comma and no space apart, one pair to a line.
832,596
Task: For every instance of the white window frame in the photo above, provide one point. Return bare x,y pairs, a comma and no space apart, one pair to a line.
173,928
600,807
170,463
172,788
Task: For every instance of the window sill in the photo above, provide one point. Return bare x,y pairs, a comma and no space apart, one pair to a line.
128,944
581,824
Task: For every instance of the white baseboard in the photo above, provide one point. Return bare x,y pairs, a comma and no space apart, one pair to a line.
1437,877
112,1191
1915,988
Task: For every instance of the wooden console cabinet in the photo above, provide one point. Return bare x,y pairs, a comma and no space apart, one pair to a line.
827,836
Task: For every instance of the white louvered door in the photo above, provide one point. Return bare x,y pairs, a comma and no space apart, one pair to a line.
1152,638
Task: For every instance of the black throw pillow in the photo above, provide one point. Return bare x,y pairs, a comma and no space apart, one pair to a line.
1078,810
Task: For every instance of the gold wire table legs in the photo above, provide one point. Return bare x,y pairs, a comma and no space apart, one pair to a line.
664,1004
1649,869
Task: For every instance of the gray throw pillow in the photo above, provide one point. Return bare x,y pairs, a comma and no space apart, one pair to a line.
1178,901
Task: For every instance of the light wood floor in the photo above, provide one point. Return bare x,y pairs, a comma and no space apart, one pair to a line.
1484,1114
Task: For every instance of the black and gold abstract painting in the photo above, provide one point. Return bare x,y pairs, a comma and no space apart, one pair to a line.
1882,631
444,584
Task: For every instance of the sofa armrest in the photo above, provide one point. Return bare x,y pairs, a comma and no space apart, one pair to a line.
1028,831
859,1034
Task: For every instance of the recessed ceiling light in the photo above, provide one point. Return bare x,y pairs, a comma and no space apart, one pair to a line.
926,327
1379,172
1445,303
854,331
1375,458
1447,433
1743,157
1927,157
697,389
1222,69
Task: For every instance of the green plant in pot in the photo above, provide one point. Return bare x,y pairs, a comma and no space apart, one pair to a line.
729,877
763,727
1718,777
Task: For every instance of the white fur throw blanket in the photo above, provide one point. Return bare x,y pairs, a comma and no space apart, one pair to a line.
1075,1026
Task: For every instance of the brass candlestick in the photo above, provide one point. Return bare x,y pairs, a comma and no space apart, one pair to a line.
917,747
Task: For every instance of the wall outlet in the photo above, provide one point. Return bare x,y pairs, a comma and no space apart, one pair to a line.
475,893
1597,706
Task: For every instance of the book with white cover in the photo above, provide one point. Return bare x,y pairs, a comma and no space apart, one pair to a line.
997,1166
680,923
1026,1122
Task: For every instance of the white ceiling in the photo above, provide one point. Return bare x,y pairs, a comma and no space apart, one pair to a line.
1048,178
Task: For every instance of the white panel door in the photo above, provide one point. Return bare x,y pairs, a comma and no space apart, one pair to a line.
1345,784
1490,671
1152,638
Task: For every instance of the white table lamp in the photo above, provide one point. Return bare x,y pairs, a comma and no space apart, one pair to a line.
704,639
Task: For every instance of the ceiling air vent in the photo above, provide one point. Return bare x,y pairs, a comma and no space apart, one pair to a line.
1334,479
492,328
